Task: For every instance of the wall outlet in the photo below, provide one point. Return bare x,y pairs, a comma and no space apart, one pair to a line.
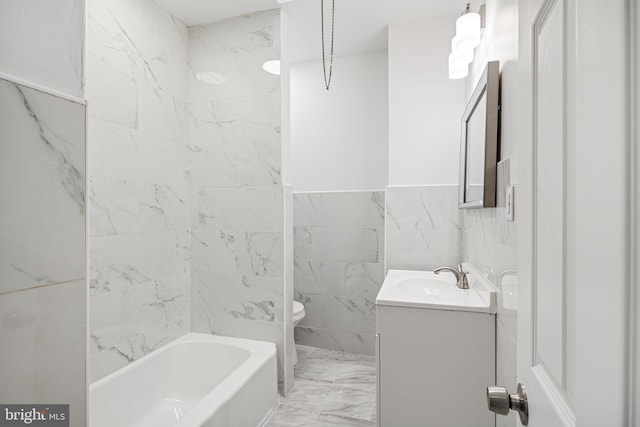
508,202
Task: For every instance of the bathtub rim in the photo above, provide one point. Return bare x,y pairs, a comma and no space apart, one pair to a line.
260,354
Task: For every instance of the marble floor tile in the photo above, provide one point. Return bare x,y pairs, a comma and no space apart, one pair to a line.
304,351
335,420
285,416
352,375
331,388
335,355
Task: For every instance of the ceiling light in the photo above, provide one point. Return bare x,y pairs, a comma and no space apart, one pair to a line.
468,29
272,67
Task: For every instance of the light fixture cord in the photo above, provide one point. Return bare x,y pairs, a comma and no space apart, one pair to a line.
327,82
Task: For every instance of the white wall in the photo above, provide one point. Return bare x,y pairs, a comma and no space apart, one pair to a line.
425,106
339,137
500,42
42,43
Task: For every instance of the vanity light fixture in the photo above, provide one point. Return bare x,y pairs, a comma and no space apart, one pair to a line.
468,33
460,56
468,29
272,67
457,70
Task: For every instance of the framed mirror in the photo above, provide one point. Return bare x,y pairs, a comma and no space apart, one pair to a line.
480,142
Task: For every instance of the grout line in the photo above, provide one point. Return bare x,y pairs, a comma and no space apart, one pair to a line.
80,279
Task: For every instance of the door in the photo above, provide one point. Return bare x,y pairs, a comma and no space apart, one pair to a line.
573,214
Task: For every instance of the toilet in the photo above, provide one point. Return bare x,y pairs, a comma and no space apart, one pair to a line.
298,313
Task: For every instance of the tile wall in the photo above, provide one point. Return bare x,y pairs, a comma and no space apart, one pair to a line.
43,43
139,246
423,227
42,249
338,267
490,243
238,200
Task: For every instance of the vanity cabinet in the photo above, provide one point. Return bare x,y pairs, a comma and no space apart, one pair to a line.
434,366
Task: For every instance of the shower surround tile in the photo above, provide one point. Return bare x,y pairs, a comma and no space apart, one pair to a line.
238,252
240,297
42,249
42,189
139,195
423,227
43,334
338,267
187,206
241,255
121,261
248,208
45,45
120,355
123,315
238,145
142,52
119,153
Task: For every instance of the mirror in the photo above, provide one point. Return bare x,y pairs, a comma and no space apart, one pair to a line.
479,142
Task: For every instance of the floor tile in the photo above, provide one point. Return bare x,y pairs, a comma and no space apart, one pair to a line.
331,388
285,416
335,420
322,353
304,351
351,374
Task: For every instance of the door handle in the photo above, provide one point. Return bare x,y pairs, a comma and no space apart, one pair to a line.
500,401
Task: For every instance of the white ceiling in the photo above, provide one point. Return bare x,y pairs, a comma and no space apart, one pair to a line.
361,25
195,12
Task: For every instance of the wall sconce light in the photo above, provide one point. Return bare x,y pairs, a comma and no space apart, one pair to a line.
457,70
460,56
468,33
468,29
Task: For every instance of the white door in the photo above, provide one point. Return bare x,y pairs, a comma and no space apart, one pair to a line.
573,214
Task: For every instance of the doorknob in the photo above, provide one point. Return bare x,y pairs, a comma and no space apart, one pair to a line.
500,401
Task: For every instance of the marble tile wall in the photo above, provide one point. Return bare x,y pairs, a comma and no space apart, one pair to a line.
43,43
42,288
139,213
239,254
423,227
338,267
490,243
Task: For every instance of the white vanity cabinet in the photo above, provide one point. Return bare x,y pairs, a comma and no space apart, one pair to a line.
435,349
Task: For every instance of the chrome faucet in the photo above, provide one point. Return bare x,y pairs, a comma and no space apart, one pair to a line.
461,276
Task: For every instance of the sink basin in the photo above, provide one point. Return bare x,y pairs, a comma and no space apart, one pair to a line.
425,289
433,287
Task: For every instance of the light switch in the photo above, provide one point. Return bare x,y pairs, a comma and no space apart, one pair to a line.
508,201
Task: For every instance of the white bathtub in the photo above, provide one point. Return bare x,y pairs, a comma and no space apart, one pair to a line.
197,380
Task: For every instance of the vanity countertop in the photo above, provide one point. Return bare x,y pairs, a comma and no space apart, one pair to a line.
425,289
